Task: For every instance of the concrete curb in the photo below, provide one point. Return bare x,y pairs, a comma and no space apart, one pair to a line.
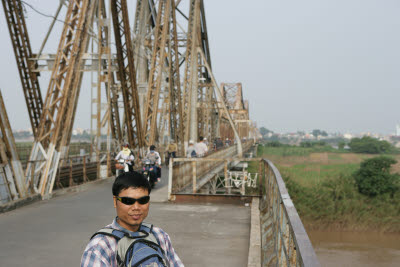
36,197
254,258
76,188
19,203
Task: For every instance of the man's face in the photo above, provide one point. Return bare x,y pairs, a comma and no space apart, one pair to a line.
131,216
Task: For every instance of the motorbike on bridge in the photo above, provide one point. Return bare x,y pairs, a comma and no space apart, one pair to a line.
149,170
121,166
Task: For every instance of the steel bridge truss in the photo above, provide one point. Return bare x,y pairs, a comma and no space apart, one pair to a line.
12,182
238,108
55,127
127,73
164,46
23,53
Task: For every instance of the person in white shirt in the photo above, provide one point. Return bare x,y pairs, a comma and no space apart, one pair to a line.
127,155
201,148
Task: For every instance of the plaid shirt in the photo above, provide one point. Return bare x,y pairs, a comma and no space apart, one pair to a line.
101,250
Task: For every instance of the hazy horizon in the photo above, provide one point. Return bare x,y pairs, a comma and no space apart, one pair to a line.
304,65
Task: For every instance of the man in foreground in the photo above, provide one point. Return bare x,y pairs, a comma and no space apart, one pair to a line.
131,196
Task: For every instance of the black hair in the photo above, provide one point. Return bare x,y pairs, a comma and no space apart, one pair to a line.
130,179
201,138
152,147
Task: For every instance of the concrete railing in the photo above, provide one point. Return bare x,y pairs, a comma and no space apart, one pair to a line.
284,241
187,175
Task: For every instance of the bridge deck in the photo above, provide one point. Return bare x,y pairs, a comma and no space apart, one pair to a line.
54,232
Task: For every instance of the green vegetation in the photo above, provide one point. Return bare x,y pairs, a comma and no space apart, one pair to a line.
312,144
325,190
370,145
305,148
374,177
341,144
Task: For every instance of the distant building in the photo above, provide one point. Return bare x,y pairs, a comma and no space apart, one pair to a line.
80,130
397,129
348,136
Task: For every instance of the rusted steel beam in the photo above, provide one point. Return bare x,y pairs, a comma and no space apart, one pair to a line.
22,49
190,68
12,176
237,106
220,97
102,117
58,116
198,100
127,75
156,71
176,112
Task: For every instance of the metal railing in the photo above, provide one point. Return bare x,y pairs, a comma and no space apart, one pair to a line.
284,241
74,170
187,175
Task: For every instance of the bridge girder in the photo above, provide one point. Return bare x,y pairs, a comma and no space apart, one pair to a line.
155,58
238,108
23,53
54,132
127,73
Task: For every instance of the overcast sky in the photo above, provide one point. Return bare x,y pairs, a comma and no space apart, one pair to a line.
304,64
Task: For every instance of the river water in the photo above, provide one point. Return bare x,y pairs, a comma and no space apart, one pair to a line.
356,248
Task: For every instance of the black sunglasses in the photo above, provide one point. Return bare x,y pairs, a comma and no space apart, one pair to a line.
131,201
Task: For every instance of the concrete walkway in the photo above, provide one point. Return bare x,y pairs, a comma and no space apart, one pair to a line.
55,232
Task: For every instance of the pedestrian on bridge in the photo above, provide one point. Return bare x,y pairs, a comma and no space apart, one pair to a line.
218,144
172,148
201,148
191,151
128,235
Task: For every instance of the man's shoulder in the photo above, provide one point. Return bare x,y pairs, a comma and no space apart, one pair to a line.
160,233
158,229
102,244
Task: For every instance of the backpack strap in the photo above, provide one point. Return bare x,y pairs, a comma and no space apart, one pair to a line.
147,225
110,232
153,239
148,228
